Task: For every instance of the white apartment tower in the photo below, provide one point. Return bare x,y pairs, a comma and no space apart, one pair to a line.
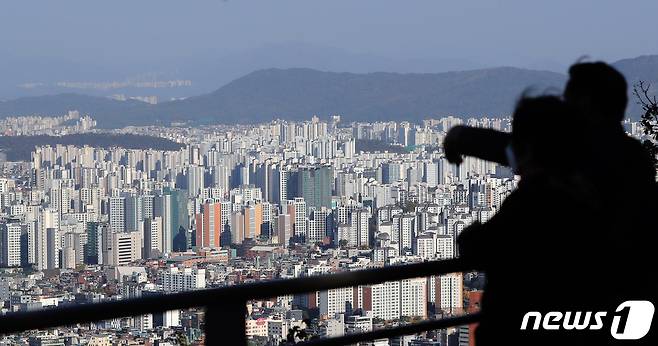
47,240
383,300
360,227
445,246
316,229
407,231
176,279
153,237
449,292
413,297
425,246
10,244
335,301
117,214
297,207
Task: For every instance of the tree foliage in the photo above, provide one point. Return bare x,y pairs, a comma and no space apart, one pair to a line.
649,119
18,148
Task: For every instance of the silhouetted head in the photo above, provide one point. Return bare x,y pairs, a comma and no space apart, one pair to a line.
543,134
597,91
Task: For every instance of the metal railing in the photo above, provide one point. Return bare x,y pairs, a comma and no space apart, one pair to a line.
226,306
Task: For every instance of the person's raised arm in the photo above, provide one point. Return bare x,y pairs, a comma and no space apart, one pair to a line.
486,144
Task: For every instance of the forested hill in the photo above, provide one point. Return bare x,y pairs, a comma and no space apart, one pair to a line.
299,93
18,148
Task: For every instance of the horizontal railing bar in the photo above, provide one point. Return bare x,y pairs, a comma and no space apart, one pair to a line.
66,315
408,329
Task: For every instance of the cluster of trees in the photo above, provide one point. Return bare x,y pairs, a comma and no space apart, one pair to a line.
18,148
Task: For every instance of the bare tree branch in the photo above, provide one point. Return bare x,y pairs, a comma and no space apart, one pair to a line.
649,119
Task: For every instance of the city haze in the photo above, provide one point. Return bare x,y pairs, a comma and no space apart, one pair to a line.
210,43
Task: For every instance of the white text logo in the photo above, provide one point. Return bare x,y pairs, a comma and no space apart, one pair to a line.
630,321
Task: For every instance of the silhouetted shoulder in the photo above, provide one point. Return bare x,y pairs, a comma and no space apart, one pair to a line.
640,157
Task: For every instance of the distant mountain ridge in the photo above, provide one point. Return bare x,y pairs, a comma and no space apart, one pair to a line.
299,93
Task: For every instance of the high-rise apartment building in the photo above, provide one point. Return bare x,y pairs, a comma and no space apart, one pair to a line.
134,213
413,297
383,300
318,225
11,249
285,228
153,237
360,227
297,211
208,225
47,242
335,301
314,184
449,292
195,180
118,214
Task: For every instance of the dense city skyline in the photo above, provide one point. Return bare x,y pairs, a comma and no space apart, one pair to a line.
264,173
239,204
243,203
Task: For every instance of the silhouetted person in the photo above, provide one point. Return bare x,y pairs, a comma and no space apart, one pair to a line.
625,178
621,170
607,224
532,249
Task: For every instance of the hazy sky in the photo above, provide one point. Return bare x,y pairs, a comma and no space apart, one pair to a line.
488,32
212,42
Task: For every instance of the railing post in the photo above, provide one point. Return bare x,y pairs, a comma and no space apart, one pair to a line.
225,324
